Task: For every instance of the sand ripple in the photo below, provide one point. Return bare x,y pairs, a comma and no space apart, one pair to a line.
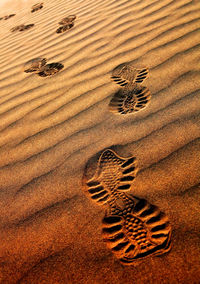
50,127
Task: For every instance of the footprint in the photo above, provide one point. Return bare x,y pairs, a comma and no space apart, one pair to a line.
35,65
51,69
126,74
134,229
66,24
17,28
67,20
39,66
9,16
130,99
114,174
22,28
36,7
64,28
26,27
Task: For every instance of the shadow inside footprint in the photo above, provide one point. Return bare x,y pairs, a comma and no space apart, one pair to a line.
51,69
64,28
36,7
130,99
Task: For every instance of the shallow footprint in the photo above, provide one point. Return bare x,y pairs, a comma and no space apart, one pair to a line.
21,28
51,69
114,174
126,74
36,7
9,16
17,28
35,65
136,230
67,20
64,28
26,27
130,99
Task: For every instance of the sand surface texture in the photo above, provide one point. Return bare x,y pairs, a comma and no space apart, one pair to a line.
53,125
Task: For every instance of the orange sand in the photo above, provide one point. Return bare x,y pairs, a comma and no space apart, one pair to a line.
50,232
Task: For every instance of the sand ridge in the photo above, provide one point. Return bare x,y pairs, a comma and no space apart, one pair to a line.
52,126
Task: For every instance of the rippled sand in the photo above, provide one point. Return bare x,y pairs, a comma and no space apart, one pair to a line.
51,127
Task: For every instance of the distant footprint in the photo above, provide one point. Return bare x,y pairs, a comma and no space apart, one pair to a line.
126,74
26,27
17,28
39,66
67,20
130,99
135,229
66,24
64,28
114,174
8,17
35,65
22,28
36,7
51,69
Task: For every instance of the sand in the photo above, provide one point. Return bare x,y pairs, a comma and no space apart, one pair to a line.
52,127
